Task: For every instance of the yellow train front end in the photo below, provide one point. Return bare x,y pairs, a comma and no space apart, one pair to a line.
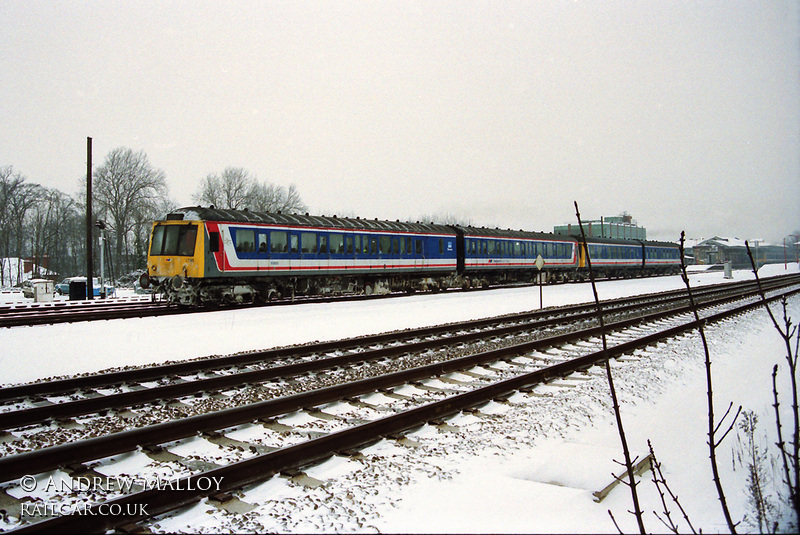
582,255
175,259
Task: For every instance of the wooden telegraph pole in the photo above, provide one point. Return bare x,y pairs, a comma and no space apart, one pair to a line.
89,266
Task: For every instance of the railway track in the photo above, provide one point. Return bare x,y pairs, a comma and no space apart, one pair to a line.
22,315
30,404
357,412
71,312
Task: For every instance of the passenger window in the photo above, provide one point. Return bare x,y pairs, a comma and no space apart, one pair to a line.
323,243
262,243
385,245
395,246
373,245
293,243
349,244
402,246
245,241
277,242
337,243
408,245
308,242
418,247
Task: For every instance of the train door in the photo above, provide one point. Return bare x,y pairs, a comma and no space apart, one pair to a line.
419,253
294,251
324,255
262,251
462,250
308,251
279,258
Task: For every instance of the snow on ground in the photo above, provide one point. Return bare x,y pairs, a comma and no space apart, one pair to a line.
544,483
536,473
43,351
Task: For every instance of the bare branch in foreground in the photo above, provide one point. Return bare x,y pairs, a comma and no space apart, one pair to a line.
637,511
712,428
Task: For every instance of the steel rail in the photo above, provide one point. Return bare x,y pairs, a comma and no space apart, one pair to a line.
50,458
99,312
216,363
185,491
25,417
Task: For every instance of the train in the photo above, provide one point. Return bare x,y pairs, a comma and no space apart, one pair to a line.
206,256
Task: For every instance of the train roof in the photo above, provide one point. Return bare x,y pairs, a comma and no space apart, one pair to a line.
513,234
619,241
661,243
346,223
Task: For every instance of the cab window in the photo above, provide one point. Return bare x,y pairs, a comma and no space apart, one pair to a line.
173,240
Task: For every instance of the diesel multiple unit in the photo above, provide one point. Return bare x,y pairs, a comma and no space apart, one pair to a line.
203,256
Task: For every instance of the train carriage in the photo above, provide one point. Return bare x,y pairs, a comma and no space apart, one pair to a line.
494,256
612,258
661,258
205,255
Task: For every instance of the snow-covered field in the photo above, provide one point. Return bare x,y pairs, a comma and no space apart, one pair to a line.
530,466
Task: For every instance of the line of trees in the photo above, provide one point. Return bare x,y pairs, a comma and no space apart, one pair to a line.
48,226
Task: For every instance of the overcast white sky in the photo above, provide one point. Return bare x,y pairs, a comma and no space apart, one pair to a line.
685,114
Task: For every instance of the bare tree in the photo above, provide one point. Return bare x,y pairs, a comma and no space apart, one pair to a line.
236,189
51,222
271,198
445,219
25,197
124,186
9,183
230,189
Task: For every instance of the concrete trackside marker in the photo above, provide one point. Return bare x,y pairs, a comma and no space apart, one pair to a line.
638,469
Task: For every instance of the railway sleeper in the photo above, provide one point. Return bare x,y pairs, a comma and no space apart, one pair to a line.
231,504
